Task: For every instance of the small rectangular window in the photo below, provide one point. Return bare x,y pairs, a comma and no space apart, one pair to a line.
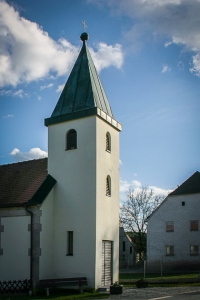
169,250
194,226
124,246
183,203
131,250
194,250
170,226
70,241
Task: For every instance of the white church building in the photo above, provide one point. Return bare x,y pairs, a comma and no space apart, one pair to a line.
59,217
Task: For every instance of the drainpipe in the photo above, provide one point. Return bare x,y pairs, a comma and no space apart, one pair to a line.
31,247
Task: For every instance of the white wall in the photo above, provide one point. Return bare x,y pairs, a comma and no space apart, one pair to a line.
15,241
74,197
182,237
80,201
107,210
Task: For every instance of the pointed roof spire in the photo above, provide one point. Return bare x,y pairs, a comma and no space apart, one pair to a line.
83,93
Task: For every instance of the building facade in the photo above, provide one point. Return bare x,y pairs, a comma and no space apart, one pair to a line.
173,236
127,254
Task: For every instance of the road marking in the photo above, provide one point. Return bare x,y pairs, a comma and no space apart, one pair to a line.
160,298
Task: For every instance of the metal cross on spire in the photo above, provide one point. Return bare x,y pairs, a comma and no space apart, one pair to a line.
84,25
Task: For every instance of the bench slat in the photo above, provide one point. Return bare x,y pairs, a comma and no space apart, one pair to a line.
63,282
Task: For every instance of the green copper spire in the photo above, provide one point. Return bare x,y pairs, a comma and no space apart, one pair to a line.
83,93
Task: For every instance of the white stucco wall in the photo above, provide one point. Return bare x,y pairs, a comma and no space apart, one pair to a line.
46,237
15,242
107,209
157,237
74,197
80,201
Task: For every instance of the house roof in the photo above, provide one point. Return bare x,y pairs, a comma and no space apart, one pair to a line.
83,93
190,186
24,183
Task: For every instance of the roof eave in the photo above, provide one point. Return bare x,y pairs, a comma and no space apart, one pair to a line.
82,114
43,191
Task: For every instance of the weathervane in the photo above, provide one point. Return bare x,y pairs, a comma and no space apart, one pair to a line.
84,25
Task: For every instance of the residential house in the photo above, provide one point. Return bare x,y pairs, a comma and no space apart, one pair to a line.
173,235
127,254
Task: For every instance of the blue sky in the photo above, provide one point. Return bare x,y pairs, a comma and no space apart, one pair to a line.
147,53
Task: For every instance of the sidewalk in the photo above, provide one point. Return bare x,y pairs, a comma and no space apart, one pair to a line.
155,292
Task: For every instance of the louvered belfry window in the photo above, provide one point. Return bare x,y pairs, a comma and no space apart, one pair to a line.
108,142
71,139
108,186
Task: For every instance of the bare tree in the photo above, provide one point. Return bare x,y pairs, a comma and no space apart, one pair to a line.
133,214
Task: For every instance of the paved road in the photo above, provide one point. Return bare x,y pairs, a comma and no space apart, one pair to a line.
160,293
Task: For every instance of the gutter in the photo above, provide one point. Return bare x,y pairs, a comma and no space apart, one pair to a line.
12,205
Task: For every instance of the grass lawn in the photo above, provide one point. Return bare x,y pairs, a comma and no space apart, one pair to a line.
64,294
129,279
157,276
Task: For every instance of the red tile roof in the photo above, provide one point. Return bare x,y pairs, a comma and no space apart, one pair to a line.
20,181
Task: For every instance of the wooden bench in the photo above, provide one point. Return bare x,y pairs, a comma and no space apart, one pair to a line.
63,282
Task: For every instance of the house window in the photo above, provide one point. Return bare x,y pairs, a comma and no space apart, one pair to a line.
131,250
70,240
194,226
71,139
194,250
124,246
169,250
170,226
108,142
108,186
183,203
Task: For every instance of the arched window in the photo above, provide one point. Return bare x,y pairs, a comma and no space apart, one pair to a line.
71,139
108,142
108,186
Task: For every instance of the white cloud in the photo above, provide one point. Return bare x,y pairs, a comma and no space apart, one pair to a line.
166,68
106,56
5,92
14,93
19,93
28,53
60,88
34,153
124,186
43,87
159,191
8,116
137,186
196,65
176,20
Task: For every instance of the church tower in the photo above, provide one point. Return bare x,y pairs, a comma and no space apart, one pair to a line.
83,157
